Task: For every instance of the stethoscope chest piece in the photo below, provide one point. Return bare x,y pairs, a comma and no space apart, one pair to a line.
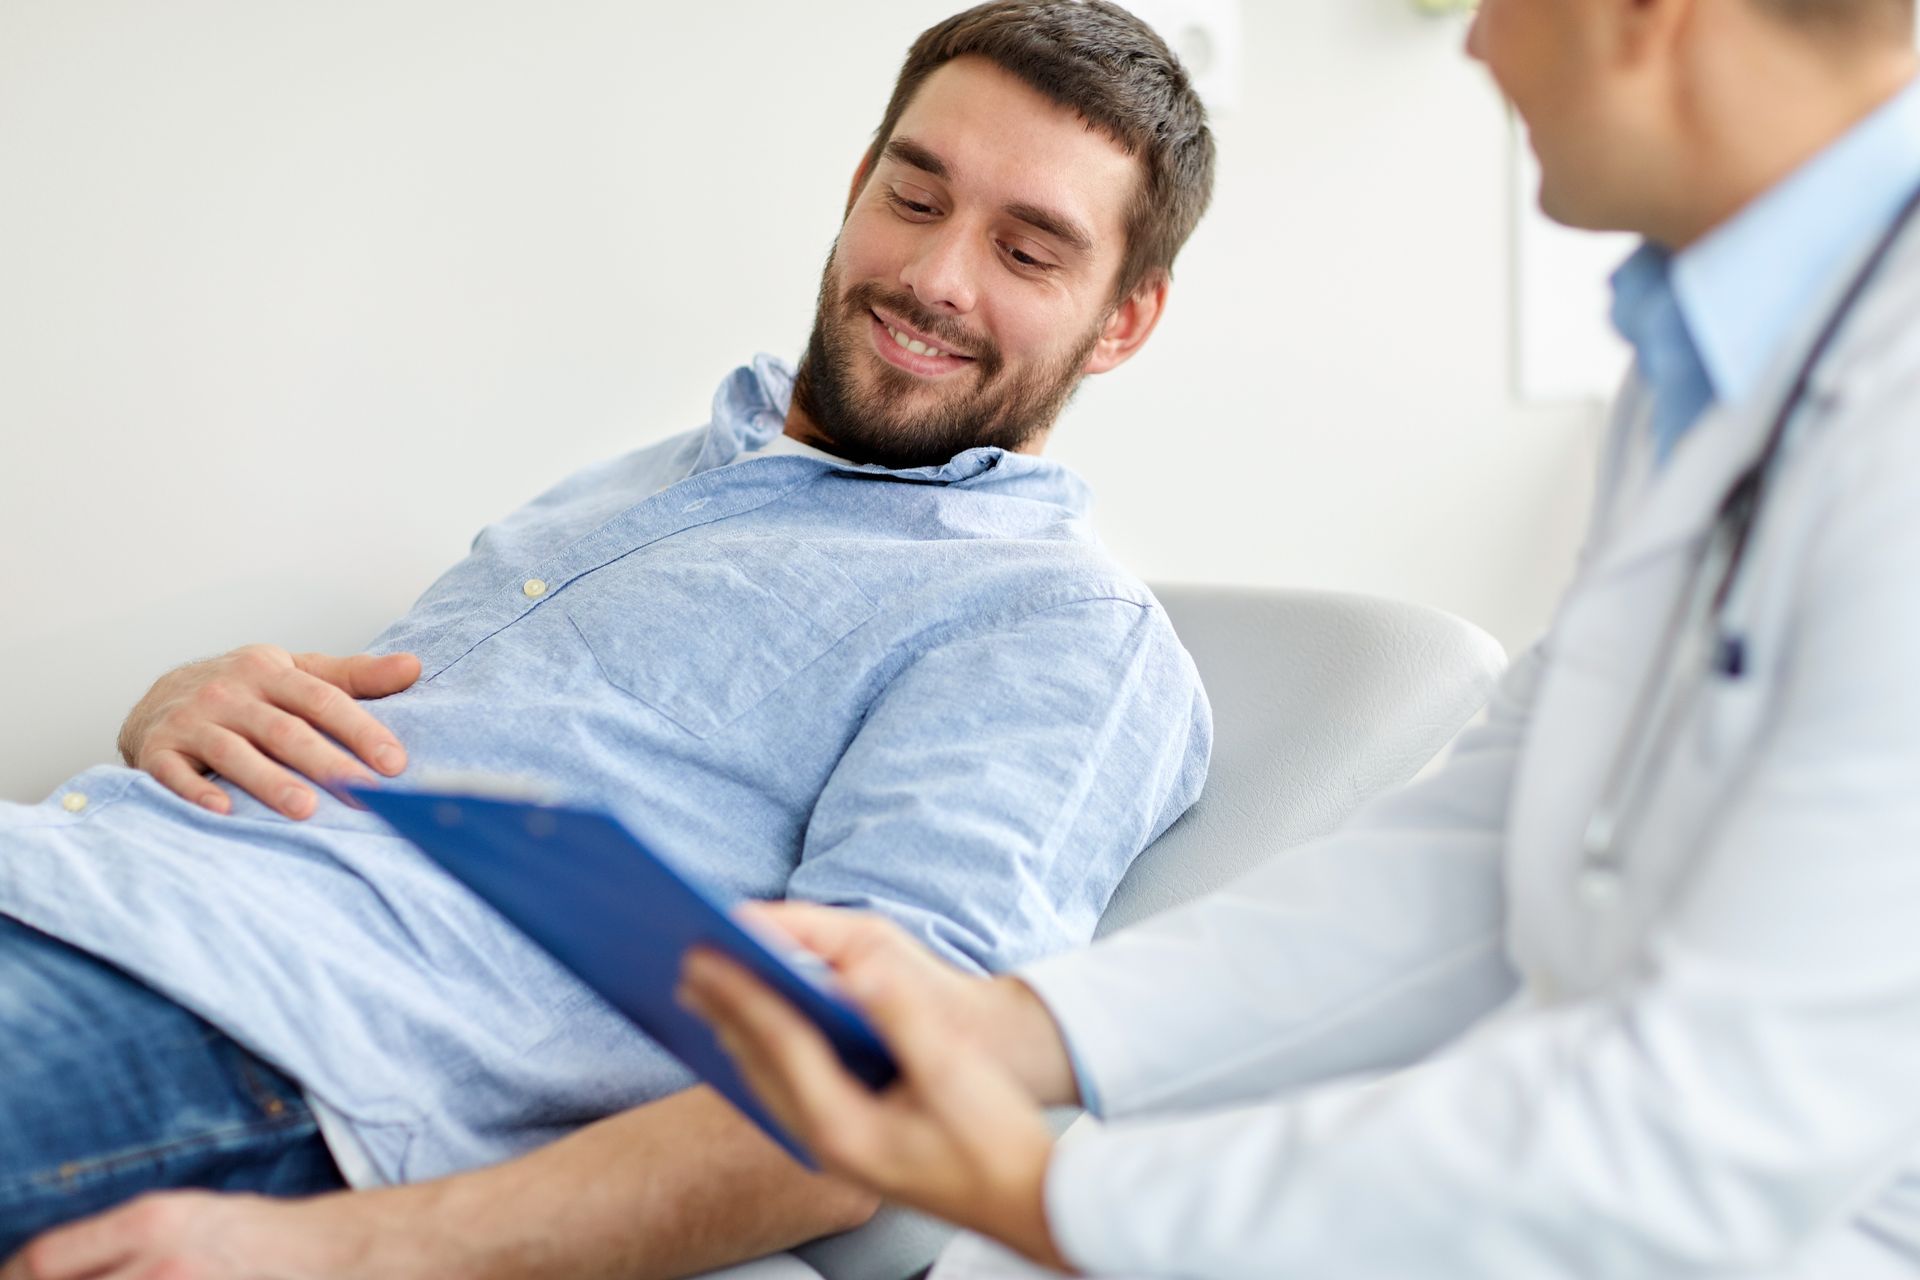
1600,887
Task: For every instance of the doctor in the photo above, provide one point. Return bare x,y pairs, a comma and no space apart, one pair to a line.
1632,987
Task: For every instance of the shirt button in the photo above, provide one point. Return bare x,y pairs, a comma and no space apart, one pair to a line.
73,801
534,588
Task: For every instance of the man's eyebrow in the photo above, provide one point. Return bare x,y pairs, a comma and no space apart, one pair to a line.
1057,225
917,155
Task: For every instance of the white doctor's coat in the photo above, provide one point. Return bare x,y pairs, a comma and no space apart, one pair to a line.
1723,1082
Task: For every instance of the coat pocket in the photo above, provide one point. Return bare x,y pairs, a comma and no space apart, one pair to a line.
704,632
1731,714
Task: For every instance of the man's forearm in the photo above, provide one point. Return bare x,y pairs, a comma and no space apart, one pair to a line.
680,1186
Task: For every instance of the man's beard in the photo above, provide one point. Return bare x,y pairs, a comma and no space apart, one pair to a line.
1004,410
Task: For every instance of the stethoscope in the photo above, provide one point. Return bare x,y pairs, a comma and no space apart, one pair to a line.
1696,637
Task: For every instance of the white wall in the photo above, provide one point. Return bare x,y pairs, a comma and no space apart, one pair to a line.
296,296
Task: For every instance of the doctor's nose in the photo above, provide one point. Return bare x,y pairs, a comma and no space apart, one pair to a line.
941,274
1475,37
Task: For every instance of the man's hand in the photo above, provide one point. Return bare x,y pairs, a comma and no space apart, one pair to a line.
198,1236
960,1134
258,717
673,1188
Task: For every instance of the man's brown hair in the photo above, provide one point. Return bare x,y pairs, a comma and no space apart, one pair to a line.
1097,59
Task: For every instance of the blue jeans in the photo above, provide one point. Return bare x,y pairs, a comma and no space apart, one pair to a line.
108,1089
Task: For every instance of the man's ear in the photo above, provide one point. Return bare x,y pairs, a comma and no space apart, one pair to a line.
1131,324
860,176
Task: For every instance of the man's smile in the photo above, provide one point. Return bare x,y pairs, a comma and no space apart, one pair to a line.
908,348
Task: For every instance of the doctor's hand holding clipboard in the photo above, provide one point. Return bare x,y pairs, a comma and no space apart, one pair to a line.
961,1134
1629,987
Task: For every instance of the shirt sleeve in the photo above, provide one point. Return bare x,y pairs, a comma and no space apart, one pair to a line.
1717,1113
1004,780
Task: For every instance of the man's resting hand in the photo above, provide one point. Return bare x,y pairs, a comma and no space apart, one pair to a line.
673,1188
258,717
197,1236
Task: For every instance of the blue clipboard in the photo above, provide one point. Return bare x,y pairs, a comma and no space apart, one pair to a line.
620,917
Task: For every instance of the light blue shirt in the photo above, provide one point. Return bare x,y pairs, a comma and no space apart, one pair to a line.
1708,323
926,692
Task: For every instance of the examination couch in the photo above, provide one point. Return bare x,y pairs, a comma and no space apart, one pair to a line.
1319,701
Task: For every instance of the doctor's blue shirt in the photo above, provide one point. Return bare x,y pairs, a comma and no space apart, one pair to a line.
926,692
1707,323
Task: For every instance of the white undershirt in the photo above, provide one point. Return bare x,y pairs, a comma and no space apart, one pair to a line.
786,444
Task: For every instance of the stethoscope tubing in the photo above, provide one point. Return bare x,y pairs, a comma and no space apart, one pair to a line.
1696,622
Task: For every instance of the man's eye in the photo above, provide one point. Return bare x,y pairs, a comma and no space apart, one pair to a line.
1027,260
905,205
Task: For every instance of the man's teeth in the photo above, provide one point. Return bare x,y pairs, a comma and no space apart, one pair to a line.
914,345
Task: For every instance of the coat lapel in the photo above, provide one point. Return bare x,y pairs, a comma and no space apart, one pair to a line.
1678,504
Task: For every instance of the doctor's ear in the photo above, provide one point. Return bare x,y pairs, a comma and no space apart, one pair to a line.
1638,29
1130,324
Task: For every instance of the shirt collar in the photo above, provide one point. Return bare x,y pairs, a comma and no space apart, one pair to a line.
1747,287
1644,309
750,408
1648,314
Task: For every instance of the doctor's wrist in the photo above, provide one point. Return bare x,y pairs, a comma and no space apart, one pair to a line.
1027,1040
1020,1218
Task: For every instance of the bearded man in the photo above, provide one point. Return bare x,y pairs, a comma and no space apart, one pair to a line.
852,642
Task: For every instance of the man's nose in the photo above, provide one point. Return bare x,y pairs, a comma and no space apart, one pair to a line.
942,273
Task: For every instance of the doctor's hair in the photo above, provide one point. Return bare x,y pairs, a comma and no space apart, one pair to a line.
1101,61
1847,20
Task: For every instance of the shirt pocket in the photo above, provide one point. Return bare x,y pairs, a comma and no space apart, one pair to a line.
703,632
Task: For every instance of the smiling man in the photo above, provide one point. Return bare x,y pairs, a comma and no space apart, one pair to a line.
850,642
